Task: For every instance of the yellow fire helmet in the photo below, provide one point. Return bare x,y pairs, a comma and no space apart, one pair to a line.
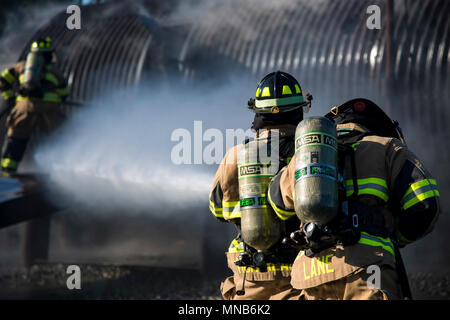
279,92
42,45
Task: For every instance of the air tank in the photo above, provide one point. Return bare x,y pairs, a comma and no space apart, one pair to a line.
260,227
32,73
316,187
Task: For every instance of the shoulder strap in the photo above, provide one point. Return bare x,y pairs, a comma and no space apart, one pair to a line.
346,150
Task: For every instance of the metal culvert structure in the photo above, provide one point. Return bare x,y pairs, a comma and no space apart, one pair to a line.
325,43
328,46
117,47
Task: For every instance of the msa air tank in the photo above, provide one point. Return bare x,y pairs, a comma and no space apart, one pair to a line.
257,164
316,186
32,73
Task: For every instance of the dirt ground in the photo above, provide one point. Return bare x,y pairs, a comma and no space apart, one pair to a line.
48,281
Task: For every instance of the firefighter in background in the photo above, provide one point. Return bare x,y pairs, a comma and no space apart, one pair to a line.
260,263
34,89
387,200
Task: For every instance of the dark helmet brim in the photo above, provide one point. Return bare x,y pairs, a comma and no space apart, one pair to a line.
361,107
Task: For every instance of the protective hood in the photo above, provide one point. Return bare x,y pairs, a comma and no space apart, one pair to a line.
263,120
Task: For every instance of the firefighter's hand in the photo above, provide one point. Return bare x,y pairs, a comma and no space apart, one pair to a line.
296,240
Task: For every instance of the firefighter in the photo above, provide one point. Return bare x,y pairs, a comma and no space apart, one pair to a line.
34,89
260,263
387,200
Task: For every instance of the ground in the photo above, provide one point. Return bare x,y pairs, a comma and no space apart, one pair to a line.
48,281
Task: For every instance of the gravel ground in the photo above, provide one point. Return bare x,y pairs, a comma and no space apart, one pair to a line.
430,285
108,282
48,281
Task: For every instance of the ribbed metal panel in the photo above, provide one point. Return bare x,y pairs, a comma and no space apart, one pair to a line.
324,43
328,47
110,51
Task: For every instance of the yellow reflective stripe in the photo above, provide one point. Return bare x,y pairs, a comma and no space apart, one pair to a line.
229,204
235,214
265,92
48,96
418,198
279,102
9,163
51,96
234,250
62,91
215,211
7,94
297,89
379,181
282,214
418,185
373,186
270,267
21,78
257,92
231,209
419,191
372,192
52,78
8,76
286,90
236,246
375,241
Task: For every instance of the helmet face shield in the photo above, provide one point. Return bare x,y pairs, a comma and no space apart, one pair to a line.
278,92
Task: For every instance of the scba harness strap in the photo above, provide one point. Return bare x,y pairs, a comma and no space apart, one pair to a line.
354,216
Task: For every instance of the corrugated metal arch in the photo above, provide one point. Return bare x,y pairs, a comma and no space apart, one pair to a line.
110,51
327,45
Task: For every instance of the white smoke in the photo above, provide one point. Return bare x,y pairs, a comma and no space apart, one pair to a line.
19,24
116,153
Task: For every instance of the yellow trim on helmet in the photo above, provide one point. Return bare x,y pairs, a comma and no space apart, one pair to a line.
265,92
286,90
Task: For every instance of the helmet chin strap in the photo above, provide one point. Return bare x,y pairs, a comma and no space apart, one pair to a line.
307,107
399,132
